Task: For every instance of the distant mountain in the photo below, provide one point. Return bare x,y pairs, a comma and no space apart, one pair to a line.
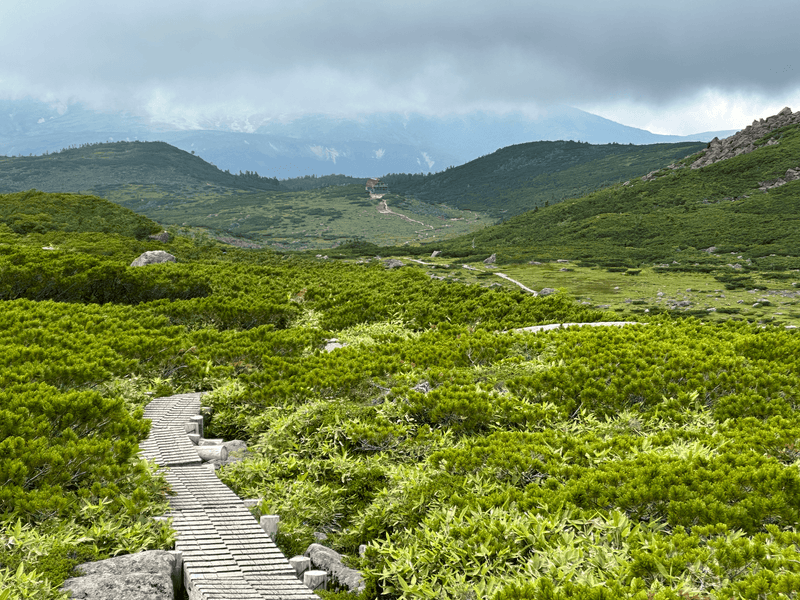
372,145
102,168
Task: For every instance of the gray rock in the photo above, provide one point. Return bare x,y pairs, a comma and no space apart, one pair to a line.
124,586
422,388
333,344
491,260
163,237
547,292
325,559
237,452
744,141
151,575
152,257
435,253
393,263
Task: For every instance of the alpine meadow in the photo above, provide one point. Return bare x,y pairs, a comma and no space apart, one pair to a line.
383,360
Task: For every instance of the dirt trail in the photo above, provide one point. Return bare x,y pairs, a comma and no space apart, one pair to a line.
507,278
384,209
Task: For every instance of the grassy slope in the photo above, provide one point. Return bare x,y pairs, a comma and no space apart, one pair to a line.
174,187
649,462
39,212
101,168
518,178
719,205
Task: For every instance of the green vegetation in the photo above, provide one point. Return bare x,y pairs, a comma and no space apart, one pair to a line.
313,219
520,178
37,212
719,205
720,287
102,168
175,188
314,182
655,461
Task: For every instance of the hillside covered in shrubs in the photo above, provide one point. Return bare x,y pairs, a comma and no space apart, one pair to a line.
653,461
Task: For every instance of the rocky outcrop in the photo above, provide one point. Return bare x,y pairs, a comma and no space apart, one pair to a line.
325,559
491,260
152,257
791,175
393,263
744,141
152,575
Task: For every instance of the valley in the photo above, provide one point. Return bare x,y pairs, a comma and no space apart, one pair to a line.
400,393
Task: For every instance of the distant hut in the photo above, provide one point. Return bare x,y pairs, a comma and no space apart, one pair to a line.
376,186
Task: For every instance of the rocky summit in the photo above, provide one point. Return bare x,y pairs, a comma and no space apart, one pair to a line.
744,141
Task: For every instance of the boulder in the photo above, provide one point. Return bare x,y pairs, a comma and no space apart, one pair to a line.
393,263
152,257
163,237
124,586
151,575
547,292
491,260
332,344
236,452
325,559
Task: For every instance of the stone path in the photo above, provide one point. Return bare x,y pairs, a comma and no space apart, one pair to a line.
226,553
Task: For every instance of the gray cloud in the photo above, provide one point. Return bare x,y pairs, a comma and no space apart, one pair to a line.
355,56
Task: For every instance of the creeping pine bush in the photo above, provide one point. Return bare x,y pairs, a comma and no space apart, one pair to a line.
652,461
658,460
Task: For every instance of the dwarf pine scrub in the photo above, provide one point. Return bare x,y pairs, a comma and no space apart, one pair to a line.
653,461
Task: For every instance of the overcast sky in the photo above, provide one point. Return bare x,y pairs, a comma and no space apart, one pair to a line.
670,67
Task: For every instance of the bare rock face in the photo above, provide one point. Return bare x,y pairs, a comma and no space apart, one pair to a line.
152,575
743,141
325,559
152,257
491,260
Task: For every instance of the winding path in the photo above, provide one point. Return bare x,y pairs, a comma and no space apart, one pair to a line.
226,553
384,209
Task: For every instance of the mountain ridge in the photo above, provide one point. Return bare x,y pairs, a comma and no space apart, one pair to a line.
722,205
314,144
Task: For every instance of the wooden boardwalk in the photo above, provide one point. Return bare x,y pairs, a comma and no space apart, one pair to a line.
226,553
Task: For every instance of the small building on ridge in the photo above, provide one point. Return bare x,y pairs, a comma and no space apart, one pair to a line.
376,186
